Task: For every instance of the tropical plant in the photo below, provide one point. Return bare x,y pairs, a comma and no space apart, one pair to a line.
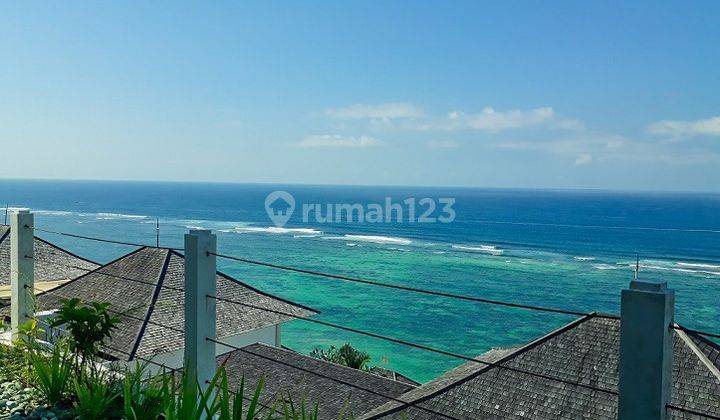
346,355
292,412
96,395
142,395
89,324
28,333
52,373
225,401
186,400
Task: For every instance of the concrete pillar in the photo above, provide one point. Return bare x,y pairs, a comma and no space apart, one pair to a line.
646,350
200,275
22,269
278,333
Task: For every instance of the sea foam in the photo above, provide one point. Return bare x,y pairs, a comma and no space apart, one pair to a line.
374,239
489,249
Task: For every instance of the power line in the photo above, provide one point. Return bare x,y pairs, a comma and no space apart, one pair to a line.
327,377
373,335
103,273
261,356
417,290
417,346
509,304
693,412
111,241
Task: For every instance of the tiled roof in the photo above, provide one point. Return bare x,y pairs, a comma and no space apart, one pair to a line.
146,302
51,261
584,351
286,371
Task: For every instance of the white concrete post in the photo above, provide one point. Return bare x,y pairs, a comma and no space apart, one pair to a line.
22,269
646,350
200,276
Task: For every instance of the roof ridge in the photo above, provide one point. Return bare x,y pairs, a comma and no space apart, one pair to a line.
5,234
94,270
445,388
156,293
254,289
703,358
46,242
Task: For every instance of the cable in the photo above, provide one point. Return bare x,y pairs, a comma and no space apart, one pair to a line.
417,290
325,376
680,328
97,271
261,356
234,393
417,346
91,238
693,412
595,315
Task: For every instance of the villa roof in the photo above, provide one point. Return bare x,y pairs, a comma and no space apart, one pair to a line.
285,371
145,286
52,263
585,351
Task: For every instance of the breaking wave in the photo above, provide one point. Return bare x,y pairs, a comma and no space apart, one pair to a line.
374,239
488,249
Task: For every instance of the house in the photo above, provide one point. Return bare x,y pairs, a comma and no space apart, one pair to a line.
585,351
53,265
144,289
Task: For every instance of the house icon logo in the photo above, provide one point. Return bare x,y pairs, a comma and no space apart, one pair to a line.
279,206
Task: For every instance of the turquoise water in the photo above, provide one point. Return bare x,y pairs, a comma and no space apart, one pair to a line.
567,249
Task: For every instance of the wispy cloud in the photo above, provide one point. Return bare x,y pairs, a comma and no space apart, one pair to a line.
407,116
338,141
491,120
442,144
589,148
707,126
583,159
383,112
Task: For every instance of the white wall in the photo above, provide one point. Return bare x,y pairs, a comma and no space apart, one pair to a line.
268,335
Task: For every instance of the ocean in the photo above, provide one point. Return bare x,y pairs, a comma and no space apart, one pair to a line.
557,248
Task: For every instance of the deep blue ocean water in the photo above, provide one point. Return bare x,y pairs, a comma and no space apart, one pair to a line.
568,249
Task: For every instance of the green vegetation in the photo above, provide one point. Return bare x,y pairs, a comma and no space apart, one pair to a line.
346,355
67,381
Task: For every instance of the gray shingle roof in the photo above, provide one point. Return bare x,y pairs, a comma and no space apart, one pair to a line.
584,351
283,372
146,305
51,261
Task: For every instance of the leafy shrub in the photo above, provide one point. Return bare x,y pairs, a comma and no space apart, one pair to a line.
186,400
142,396
346,355
52,374
96,395
89,324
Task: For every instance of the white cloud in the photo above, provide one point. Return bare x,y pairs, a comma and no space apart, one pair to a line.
442,144
493,121
334,140
403,115
489,119
385,112
707,126
583,159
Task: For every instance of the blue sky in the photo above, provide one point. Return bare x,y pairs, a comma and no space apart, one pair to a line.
489,94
